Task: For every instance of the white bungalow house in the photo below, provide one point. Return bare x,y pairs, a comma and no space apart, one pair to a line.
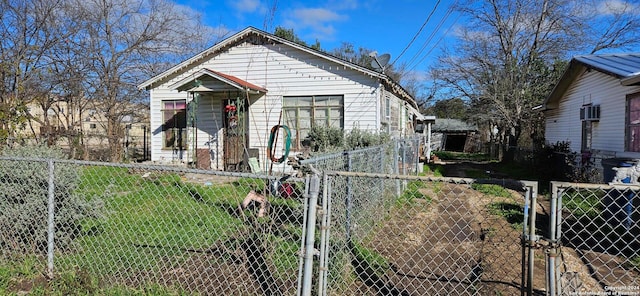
219,107
595,106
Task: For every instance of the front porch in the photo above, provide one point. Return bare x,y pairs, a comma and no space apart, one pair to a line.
217,121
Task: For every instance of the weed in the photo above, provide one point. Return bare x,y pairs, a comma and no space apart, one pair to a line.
371,261
433,169
513,213
411,193
635,263
491,189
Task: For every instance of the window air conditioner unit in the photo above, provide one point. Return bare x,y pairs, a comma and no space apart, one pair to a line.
590,113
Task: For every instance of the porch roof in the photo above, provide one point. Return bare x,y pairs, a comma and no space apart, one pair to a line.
209,80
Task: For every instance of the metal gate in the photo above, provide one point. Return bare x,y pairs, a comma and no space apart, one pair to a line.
592,245
439,236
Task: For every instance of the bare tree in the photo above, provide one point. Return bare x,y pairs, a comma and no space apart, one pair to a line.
28,30
120,42
511,53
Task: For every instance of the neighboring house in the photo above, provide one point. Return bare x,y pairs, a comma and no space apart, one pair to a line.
217,108
595,106
454,135
82,122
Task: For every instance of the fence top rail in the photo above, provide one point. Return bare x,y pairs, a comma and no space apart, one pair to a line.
518,185
340,154
558,185
150,167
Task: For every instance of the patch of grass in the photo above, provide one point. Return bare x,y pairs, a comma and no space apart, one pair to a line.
151,219
369,260
449,155
19,268
582,203
635,263
80,282
513,213
491,189
433,169
515,171
411,193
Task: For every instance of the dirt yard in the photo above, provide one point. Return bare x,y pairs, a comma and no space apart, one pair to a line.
454,247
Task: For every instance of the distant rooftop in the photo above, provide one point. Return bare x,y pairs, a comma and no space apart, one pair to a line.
452,125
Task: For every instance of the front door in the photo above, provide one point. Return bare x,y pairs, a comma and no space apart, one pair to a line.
234,134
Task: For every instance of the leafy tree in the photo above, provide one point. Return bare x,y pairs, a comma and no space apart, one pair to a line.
455,108
290,35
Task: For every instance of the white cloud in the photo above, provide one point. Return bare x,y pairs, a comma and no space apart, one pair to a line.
317,21
609,7
246,6
343,4
315,16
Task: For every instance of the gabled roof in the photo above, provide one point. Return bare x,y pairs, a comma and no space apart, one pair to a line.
389,84
625,67
194,82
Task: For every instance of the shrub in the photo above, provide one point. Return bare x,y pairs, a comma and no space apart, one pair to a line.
322,138
358,138
558,162
24,200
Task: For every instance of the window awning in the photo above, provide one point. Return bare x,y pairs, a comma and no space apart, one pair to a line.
207,80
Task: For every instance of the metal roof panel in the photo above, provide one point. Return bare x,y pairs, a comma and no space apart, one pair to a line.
621,65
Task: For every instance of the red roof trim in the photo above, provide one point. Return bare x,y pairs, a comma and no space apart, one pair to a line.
239,81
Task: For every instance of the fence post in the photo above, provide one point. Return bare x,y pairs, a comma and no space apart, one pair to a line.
50,219
382,160
552,277
530,238
348,202
417,141
396,168
325,225
313,191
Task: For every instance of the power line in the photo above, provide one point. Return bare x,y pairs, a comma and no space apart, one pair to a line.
418,33
431,36
434,46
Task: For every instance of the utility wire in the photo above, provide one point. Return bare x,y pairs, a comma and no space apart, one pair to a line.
431,36
418,33
434,46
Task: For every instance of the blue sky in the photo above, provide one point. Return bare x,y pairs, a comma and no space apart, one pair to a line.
381,25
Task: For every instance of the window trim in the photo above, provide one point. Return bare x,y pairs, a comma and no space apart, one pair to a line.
313,109
627,123
165,129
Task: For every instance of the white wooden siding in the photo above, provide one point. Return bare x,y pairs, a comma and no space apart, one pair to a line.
564,124
283,71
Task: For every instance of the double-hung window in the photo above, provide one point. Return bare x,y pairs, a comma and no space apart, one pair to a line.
174,127
633,123
301,113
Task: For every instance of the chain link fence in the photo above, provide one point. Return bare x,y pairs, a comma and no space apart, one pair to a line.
440,236
595,238
401,156
126,229
366,225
